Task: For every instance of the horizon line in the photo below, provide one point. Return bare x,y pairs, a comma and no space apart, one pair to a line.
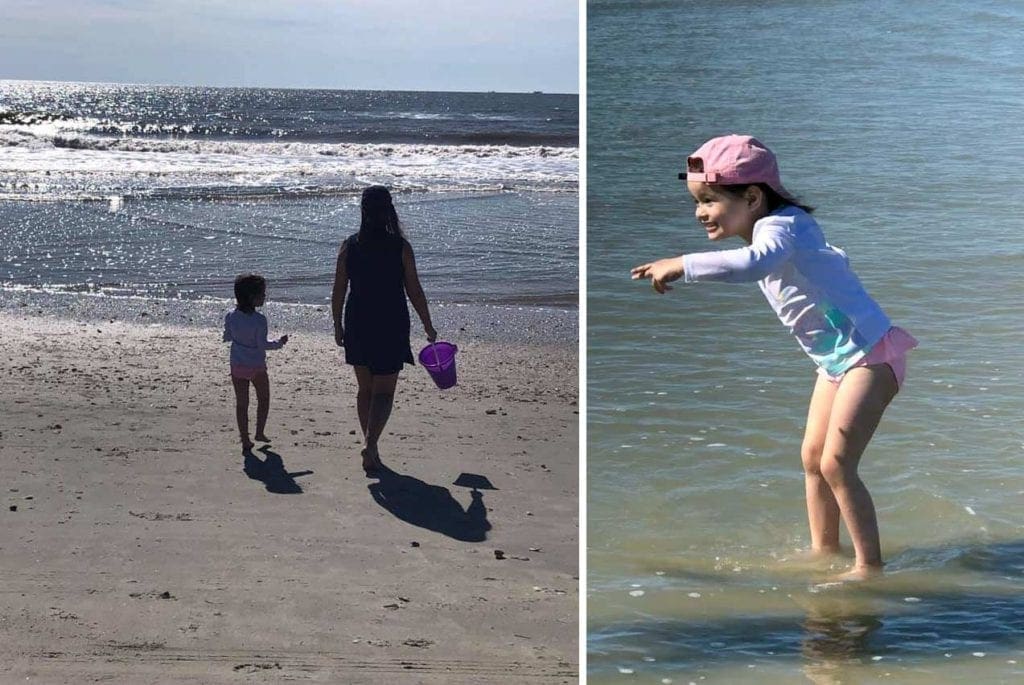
265,87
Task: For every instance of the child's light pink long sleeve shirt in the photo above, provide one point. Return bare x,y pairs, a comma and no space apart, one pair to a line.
247,333
808,283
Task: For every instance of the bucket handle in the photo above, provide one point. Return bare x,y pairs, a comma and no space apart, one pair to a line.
437,357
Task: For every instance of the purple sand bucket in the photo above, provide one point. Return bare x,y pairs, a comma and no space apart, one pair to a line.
439,361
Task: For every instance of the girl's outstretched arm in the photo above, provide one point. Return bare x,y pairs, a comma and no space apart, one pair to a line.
338,294
415,291
661,273
772,246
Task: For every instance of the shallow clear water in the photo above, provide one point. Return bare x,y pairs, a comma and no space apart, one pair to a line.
890,118
467,245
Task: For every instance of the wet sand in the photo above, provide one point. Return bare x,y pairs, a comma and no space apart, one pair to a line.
138,545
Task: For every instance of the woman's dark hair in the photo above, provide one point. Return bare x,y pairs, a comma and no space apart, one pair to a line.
379,221
248,288
772,199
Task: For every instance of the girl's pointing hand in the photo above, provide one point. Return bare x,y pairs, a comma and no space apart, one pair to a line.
661,272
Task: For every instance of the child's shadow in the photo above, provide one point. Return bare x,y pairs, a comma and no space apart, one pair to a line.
272,472
431,506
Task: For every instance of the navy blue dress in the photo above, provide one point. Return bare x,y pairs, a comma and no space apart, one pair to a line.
376,316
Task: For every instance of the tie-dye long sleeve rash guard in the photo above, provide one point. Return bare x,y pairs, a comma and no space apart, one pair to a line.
808,283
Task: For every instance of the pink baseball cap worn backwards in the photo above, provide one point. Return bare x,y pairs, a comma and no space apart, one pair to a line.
735,159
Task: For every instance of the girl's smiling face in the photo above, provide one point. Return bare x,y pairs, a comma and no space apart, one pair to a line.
724,215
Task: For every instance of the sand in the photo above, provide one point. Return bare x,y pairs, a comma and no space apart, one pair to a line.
138,545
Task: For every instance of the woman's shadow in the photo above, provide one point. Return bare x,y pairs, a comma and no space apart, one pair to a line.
431,506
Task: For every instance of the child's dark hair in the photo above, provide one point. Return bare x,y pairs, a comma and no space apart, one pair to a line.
248,288
772,199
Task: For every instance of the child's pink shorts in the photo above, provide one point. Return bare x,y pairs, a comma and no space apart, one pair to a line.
246,372
891,349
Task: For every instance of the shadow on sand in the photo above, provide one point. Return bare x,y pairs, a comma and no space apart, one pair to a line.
432,506
272,473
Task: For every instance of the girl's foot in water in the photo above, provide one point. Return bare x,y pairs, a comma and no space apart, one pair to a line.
858,573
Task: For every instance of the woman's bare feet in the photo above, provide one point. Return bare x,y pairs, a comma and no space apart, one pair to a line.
371,460
262,437
247,445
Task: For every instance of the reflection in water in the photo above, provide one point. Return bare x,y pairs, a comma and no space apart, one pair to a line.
835,634
953,605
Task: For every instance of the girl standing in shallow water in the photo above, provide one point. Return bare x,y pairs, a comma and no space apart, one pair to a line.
246,330
861,357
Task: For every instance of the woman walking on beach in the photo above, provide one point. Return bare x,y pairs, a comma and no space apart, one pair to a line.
861,356
377,270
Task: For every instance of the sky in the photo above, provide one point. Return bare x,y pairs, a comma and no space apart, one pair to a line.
440,45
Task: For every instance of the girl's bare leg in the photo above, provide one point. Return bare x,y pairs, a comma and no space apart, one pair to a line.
859,403
365,380
261,381
822,508
381,401
242,410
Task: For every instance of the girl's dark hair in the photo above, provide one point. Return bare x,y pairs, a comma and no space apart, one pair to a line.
379,223
248,288
772,199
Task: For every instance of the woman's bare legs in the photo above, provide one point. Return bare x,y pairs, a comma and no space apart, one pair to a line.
261,381
365,380
242,411
857,407
381,401
374,399
822,509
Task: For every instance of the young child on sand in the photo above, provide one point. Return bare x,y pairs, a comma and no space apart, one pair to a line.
246,330
861,357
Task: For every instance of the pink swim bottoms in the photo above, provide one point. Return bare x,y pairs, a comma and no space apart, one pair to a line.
891,349
246,372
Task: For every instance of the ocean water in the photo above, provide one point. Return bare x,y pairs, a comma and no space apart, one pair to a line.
900,123
126,191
